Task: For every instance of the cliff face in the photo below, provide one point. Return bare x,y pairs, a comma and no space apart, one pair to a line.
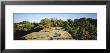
54,34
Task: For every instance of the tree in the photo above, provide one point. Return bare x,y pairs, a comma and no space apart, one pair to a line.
46,22
23,26
82,29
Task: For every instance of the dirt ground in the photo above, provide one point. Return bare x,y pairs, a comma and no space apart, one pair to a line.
51,35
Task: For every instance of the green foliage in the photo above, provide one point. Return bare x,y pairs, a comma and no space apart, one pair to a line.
23,26
46,22
57,22
51,22
80,29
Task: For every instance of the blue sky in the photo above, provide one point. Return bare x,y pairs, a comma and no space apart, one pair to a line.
36,17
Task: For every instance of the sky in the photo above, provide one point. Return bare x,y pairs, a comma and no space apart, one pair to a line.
37,17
